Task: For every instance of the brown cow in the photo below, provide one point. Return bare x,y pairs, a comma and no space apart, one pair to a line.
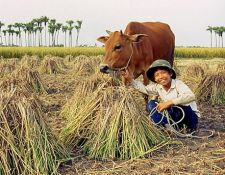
137,48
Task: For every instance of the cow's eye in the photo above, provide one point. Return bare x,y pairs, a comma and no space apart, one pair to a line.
117,46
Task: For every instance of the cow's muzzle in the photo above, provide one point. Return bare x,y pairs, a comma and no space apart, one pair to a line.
104,69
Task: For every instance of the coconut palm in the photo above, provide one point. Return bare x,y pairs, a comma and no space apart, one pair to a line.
210,28
70,29
64,29
58,27
4,33
52,30
1,25
78,27
19,27
45,20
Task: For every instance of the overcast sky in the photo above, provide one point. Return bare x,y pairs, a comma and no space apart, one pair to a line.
187,18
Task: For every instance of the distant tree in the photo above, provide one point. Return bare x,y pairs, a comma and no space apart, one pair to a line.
45,20
220,31
70,29
78,27
52,30
1,25
215,29
19,27
210,28
4,33
64,30
58,28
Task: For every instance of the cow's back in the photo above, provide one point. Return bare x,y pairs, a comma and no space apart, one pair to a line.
160,41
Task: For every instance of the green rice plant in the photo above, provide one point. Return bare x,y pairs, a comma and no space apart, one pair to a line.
19,52
199,53
27,145
109,124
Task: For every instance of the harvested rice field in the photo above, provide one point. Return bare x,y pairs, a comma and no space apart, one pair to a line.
96,126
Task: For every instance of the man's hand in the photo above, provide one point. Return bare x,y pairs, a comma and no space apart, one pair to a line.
164,105
127,76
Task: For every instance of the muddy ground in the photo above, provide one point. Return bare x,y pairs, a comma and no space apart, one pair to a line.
188,156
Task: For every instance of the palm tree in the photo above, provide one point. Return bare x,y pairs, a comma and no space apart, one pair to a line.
220,30
45,20
215,29
1,25
70,29
58,27
52,30
64,29
9,32
19,26
4,33
78,27
210,28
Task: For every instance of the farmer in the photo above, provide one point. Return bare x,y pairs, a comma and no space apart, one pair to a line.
171,92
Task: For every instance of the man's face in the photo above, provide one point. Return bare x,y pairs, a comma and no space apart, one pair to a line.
163,77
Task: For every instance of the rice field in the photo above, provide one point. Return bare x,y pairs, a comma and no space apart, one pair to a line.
89,123
19,52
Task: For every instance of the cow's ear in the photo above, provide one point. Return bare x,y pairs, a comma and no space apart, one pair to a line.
109,32
103,39
137,37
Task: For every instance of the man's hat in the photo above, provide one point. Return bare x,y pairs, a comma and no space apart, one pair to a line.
159,64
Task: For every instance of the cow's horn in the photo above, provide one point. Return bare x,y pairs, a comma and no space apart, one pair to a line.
109,32
121,32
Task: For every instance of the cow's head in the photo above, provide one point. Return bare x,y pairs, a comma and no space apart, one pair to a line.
118,50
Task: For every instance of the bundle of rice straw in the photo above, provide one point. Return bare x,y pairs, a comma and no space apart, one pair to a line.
220,67
194,70
30,61
30,79
212,88
6,68
108,123
27,145
50,66
192,75
84,66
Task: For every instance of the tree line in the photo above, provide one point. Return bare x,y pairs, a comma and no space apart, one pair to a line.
218,34
32,33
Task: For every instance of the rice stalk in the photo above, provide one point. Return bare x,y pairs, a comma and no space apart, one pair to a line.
109,123
27,145
50,66
30,79
212,88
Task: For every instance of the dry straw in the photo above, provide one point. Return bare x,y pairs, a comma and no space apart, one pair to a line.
27,145
108,123
212,88
31,62
30,79
192,75
50,65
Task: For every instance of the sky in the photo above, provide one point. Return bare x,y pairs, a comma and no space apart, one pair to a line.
188,19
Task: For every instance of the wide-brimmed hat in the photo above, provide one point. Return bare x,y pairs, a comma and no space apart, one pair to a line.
159,64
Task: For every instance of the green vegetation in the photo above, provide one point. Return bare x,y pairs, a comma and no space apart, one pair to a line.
19,52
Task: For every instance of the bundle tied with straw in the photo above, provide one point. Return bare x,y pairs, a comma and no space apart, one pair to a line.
30,79
27,145
212,88
50,66
109,123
